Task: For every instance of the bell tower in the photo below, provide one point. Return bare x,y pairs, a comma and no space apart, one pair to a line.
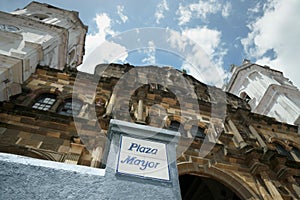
38,35
267,91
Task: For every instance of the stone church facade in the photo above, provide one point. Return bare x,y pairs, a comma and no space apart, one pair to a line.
49,111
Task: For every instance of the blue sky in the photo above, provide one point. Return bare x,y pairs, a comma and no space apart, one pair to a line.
225,32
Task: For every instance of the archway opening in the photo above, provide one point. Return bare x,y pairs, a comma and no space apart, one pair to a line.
196,187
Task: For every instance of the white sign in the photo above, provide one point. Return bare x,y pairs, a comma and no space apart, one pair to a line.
143,158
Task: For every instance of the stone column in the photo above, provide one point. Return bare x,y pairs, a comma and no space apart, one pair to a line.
271,187
110,104
257,136
140,111
294,184
237,136
263,192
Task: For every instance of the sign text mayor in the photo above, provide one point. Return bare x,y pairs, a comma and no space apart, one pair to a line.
132,160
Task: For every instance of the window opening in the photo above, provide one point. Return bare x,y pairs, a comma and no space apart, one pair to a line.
40,16
45,102
70,107
282,151
197,132
245,96
176,126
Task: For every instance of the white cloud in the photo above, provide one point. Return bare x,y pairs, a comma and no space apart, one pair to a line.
150,52
98,50
203,69
277,30
107,52
120,10
184,13
202,9
208,39
177,42
255,9
226,9
200,47
160,9
103,23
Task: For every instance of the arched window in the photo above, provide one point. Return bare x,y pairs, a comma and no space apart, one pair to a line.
282,151
70,107
44,102
295,153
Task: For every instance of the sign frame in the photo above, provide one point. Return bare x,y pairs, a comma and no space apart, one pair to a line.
118,172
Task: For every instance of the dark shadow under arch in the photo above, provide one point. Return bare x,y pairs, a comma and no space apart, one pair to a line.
195,187
235,184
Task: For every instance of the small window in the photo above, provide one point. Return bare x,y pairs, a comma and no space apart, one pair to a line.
197,132
40,16
296,153
245,96
70,107
176,126
72,55
282,151
45,102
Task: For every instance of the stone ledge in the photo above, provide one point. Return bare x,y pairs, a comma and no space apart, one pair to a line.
51,164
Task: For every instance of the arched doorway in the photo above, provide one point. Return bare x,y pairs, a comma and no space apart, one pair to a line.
239,186
195,187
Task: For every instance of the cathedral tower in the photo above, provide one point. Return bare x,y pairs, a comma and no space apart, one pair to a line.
267,91
38,35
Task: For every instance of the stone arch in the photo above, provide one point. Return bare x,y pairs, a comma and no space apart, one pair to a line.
46,89
74,95
236,184
36,93
274,140
293,144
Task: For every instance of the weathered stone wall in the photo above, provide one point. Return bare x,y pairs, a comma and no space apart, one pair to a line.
244,154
